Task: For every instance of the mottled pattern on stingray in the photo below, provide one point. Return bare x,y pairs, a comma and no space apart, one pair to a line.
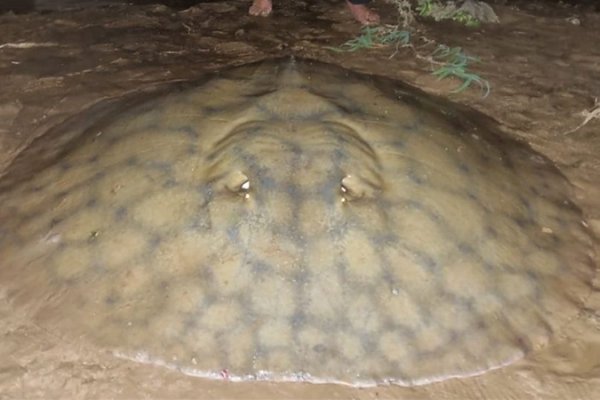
293,220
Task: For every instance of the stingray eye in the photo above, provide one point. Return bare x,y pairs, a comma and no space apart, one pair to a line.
238,182
354,188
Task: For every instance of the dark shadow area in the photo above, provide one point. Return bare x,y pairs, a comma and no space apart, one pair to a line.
588,4
182,4
17,6
25,6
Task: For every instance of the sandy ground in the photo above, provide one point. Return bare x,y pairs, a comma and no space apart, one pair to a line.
542,62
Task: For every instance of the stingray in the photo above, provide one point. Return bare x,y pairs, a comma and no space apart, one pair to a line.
292,220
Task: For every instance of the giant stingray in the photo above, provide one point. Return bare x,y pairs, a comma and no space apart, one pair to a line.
291,220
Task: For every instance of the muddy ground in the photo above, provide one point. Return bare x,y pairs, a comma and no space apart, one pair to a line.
542,62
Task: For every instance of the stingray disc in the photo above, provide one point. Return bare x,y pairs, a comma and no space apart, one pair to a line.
296,221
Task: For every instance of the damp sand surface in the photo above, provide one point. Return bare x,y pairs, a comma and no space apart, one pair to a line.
42,360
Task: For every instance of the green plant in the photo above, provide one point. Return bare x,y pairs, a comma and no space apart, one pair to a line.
454,62
439,11
373,37
451,62
425,7
464,18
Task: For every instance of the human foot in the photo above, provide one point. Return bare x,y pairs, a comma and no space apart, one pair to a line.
261,8
361,13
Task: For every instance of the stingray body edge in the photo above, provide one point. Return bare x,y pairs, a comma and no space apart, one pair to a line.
296,221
